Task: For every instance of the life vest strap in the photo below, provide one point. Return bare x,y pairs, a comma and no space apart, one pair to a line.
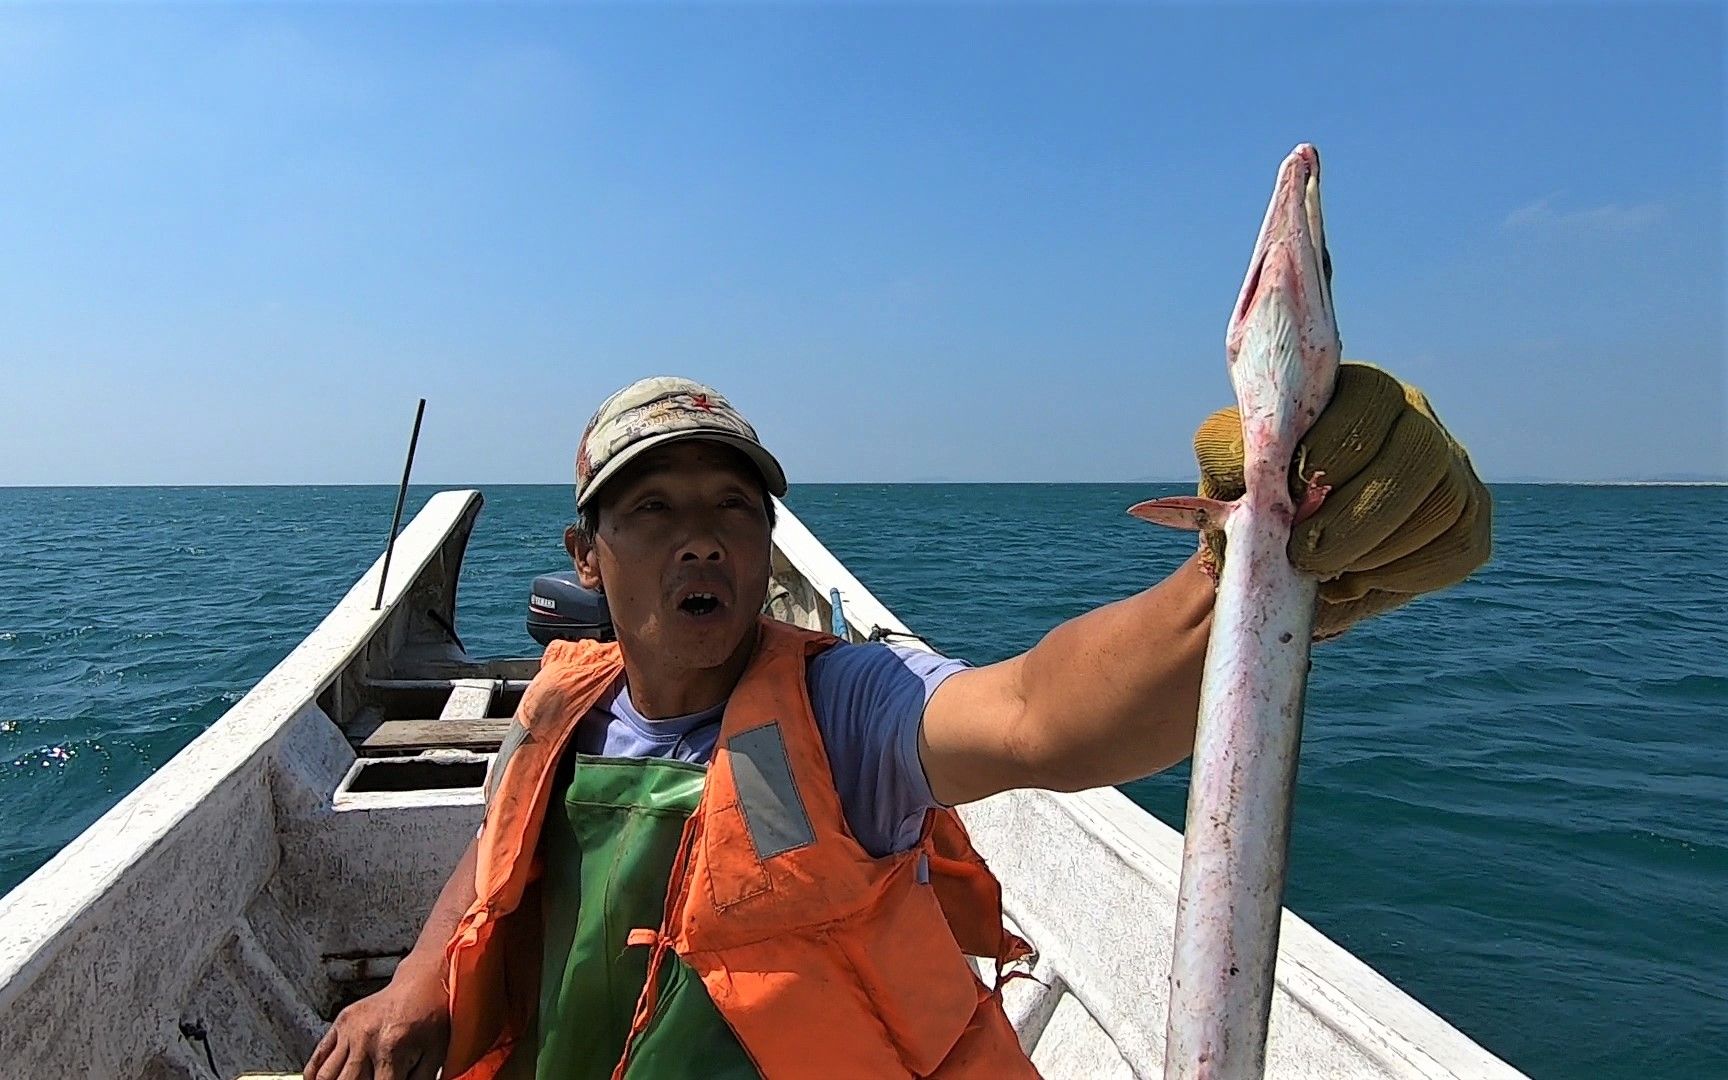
661,940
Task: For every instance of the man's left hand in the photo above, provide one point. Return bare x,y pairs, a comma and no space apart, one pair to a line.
1406,515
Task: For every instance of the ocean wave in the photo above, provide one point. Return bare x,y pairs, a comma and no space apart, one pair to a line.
1712,689
26,639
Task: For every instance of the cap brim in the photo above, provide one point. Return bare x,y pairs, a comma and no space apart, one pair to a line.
772,474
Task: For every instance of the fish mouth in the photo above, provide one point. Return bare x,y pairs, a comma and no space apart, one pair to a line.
1290,255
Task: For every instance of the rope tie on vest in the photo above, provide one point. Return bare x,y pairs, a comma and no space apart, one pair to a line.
661,940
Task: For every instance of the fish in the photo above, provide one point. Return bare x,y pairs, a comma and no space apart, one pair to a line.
1282,349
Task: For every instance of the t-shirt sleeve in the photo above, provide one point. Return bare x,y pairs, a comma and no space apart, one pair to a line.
869,705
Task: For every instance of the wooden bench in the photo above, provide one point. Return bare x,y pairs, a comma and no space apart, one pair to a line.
461,725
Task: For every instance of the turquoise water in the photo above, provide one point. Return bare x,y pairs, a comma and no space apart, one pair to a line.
1514,795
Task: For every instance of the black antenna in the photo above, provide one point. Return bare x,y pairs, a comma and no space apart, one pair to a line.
401,496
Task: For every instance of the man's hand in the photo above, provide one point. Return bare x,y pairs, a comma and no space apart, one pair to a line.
399,1033
1113,695
1406,514
402,1031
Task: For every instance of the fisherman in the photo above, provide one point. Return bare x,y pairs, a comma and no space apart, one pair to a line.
763,816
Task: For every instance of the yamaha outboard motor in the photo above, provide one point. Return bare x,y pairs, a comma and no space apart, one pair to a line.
560,609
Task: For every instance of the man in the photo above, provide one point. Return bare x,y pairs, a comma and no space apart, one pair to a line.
761,816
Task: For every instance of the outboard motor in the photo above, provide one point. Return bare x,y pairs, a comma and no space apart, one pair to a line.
560,609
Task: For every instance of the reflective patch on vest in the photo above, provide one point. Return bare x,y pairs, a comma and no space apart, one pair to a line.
773,810
514,738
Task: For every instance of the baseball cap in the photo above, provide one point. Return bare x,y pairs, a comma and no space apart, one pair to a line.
653,412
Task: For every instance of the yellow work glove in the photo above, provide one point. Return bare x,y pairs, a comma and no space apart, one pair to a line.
1406,514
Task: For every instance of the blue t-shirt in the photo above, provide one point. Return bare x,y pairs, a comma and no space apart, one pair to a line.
869,703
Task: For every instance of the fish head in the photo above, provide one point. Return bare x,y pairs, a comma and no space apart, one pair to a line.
1282,342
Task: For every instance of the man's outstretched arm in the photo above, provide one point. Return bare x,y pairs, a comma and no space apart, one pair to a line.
1104,698
1114,694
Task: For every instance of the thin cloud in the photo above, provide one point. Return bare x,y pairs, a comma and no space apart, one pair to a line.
1609,217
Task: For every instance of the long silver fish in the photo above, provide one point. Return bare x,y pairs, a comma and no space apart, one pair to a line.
1283,350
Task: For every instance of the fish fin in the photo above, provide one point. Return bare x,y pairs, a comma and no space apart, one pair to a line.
1184,512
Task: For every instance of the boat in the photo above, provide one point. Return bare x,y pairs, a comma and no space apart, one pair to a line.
214,921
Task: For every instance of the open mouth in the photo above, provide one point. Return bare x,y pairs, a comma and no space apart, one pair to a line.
1252,289
699,604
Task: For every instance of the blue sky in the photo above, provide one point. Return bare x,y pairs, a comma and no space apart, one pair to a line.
910,242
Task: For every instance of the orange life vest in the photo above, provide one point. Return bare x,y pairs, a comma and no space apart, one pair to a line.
811,950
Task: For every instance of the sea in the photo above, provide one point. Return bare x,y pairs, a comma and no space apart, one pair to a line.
1513,795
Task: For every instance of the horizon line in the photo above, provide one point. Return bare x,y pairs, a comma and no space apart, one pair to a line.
808,483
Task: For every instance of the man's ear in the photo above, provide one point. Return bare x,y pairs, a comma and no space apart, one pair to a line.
584,557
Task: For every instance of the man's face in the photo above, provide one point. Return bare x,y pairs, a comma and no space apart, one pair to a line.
682,554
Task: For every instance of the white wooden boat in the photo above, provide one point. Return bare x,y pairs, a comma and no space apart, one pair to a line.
213,921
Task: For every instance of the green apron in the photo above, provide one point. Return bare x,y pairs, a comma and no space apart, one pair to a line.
611,842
